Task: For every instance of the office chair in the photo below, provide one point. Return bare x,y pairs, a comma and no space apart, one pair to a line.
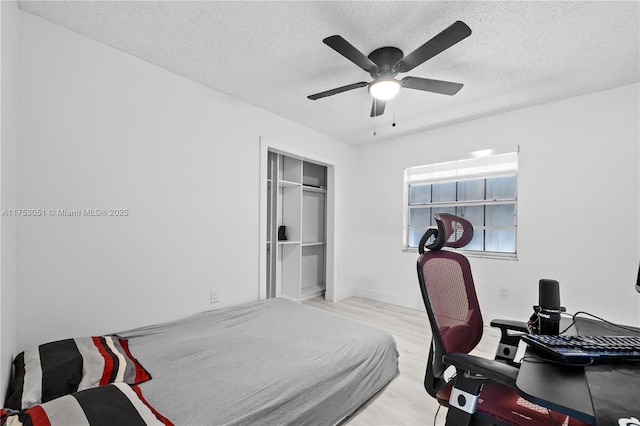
482,392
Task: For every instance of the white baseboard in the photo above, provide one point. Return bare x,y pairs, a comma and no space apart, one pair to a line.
393,299
343,294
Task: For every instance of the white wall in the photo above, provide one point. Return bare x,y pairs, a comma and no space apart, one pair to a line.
8,149
577,215
101,129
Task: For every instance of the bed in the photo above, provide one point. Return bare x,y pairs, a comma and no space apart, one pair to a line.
271,362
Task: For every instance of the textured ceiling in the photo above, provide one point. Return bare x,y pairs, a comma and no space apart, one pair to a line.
271,55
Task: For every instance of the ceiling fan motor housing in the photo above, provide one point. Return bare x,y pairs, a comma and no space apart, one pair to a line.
385,58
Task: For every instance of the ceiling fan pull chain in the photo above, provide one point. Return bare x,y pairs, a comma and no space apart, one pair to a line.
375,110
394,115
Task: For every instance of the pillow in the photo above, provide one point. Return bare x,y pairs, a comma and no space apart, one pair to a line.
48,371
113,404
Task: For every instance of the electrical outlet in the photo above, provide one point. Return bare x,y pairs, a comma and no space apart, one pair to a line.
503,294
214,296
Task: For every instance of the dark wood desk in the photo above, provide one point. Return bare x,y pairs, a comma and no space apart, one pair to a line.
566,389
560,388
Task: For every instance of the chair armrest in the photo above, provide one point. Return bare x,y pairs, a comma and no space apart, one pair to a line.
509,340
493,370
503,324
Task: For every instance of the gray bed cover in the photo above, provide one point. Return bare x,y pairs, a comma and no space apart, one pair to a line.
272,362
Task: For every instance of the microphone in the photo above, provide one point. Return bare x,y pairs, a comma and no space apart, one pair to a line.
548,310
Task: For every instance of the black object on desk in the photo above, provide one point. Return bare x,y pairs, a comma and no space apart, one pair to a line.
598,394
548,311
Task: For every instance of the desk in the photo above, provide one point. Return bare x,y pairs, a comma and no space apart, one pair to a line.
565,389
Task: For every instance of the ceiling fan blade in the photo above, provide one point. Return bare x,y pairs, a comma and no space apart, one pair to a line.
428,85
337,90
377,107
347,50
448,37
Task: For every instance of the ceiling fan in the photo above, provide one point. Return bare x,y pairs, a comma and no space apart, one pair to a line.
385,63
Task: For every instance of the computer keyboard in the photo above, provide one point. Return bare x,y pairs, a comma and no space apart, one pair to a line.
586,349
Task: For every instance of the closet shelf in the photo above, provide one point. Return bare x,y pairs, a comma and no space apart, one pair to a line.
311,188
313,243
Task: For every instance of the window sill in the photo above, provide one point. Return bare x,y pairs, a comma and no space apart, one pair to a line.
476,254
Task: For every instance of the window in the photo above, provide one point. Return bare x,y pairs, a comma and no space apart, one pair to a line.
481,190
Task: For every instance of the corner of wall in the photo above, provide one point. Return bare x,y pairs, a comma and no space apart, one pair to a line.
8,158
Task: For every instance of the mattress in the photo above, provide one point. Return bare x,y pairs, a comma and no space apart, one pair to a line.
271,362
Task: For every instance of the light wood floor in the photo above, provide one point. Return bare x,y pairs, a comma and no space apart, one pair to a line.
403,401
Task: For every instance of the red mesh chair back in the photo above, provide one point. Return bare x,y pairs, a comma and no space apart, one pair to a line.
453,305
449,295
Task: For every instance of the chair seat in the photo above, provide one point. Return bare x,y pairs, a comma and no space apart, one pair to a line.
512,408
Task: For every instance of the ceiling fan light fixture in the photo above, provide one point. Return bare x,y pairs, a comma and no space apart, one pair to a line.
384,88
